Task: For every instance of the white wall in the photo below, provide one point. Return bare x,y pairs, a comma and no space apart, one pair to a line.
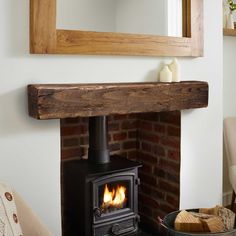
229,98
30,149
201,143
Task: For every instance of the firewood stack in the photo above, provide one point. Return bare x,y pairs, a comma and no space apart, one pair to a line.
207,220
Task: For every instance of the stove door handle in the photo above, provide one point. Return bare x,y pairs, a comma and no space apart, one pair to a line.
97,212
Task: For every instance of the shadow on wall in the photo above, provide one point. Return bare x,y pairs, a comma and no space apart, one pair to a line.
17,31
14,115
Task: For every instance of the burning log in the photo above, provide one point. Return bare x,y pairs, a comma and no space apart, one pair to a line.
114,199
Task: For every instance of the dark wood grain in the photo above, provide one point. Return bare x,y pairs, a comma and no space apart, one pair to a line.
56,101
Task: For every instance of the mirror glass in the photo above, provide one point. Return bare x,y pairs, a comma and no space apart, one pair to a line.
153,17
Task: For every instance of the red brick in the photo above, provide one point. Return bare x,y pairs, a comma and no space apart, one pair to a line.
145,125
148,158
159,213
133,116
113,126
149,137
84,140
170,117
132,155
120,136
168,187
158,150
145,189
151,116
147,179
146,210
159,172
73,130
70,142
129,124
130,145
119,117
114,147
84,120
173,200
149,220
160,128
168,208
146,168
158,194
174,178
169,166
173,131
70,153
146,200
171,142
133,134
123,154
146,147
71,120
174,155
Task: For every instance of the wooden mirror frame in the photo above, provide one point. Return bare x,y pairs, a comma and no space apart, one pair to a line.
46,39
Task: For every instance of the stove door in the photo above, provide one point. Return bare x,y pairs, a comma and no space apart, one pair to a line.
114,197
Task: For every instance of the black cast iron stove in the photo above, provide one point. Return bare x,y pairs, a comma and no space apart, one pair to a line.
101,193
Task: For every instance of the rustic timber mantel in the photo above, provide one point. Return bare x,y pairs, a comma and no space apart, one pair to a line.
57,101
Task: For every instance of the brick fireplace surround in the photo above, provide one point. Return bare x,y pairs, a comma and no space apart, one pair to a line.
153,139
143,125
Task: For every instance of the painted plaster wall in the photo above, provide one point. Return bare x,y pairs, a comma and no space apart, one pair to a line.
30,149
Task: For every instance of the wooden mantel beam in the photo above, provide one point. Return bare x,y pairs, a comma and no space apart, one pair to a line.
57,101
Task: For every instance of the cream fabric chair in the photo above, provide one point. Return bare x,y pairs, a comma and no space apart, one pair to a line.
16,217
230,148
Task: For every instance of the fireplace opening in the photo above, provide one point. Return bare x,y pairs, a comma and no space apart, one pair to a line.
101,193
114,196
152,139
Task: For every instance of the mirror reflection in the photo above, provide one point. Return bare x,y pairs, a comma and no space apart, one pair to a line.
154,17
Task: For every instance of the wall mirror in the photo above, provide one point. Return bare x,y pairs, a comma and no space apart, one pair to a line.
117,27
153,17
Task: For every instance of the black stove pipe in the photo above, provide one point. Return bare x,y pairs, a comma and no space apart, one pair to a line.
98,152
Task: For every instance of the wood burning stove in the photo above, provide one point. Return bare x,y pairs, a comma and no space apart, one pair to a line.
101,193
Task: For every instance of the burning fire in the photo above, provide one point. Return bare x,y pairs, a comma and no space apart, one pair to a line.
114,198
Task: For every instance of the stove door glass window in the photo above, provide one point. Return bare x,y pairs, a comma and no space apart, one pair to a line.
114,196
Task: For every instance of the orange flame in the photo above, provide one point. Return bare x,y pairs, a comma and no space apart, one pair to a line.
108,196
115,198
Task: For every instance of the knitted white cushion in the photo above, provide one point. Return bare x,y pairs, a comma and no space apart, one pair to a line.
9,223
